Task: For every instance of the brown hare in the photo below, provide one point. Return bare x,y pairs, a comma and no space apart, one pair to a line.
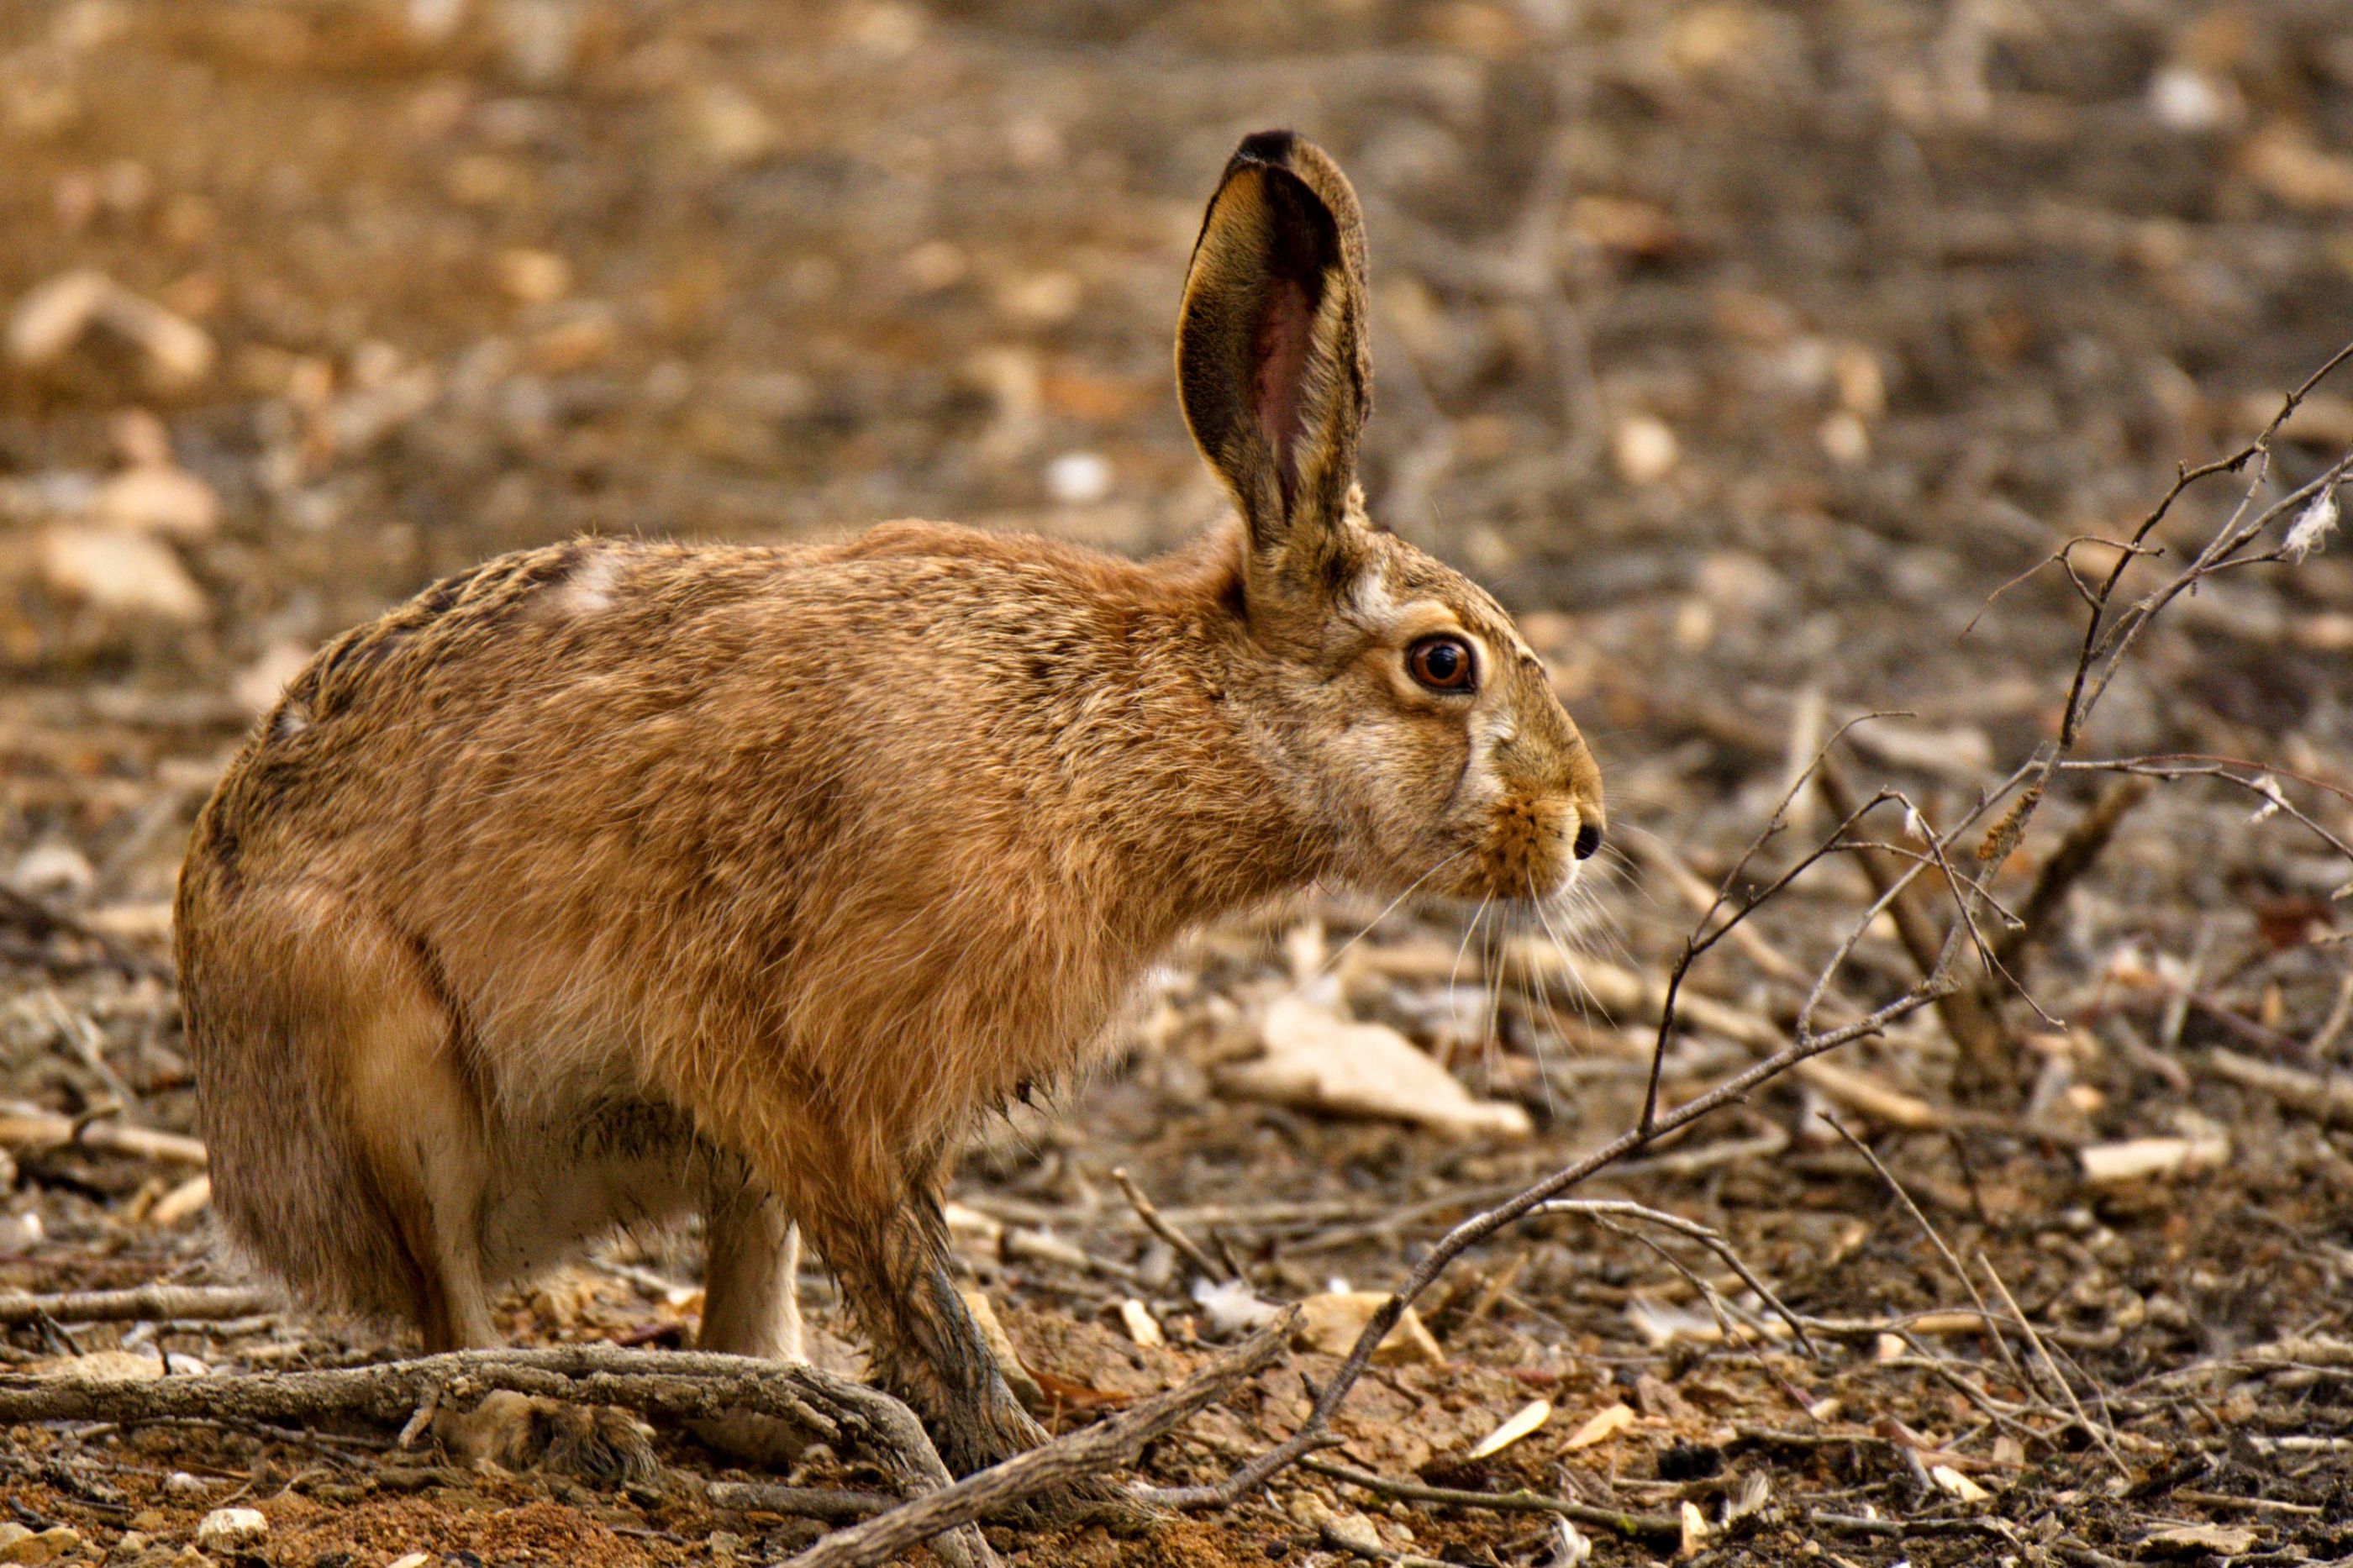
613,881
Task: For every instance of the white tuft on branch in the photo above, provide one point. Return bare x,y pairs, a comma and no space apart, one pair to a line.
2313,526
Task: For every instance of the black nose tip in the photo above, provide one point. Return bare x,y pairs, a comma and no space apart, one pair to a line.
1588,839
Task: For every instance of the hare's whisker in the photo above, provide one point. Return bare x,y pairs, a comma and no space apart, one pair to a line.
1339,953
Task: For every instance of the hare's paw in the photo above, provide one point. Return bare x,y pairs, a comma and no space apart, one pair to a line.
597,1444
973,1434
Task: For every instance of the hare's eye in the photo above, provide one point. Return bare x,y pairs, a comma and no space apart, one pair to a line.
1443,664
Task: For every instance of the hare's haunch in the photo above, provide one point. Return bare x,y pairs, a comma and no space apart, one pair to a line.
611,880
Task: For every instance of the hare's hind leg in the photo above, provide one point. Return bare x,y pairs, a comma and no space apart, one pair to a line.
346,1140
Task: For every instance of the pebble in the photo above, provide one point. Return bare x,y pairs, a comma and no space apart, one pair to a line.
48,321
120,569
52,867
1643,449
227,1529
1077,477
60,1541
158,498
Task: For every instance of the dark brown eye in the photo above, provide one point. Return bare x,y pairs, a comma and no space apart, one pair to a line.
1442,664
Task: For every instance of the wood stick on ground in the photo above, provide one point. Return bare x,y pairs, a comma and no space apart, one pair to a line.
1989,1069
2326,1098
2042,1353
1649,1529
1089,1452
675,1385
29,1128
1937,1238
143,1303
1707,1236
1157,1224
2078,850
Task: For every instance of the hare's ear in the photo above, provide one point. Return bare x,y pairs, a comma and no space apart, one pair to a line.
1271,360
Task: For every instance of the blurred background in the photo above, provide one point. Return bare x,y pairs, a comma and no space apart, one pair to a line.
1743,349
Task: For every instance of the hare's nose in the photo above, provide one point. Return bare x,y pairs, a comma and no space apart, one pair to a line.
1589,838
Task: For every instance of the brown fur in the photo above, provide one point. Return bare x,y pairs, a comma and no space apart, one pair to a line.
613,879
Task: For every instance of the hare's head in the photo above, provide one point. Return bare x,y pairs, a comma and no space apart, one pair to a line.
1423,734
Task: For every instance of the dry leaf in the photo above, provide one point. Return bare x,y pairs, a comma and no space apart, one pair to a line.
1602,1427
1952,1483
1316,1059
1695,1532
1141,1325
1332,1322
1017,1376
2228,1540
1526,1419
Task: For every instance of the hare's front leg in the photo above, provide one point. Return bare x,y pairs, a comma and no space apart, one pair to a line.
894,1269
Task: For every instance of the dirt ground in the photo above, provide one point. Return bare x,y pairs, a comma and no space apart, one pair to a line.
1743,350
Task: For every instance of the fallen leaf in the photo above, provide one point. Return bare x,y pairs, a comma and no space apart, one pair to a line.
1316,1059
1074,1396
2229,1540
1332,1322
1952,1483
1602,1427
1526,1419
1141,1325
1025,1386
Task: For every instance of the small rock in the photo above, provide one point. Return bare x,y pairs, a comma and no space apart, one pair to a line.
1644,449
11,1532
413,1560
229,1529
533,277
731,128
180,1483
1077,477
58,314
160,500
2185,99
116,569
1846,441
52,867
19,1233
60,1541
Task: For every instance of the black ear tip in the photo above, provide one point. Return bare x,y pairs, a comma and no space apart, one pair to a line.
1267,147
